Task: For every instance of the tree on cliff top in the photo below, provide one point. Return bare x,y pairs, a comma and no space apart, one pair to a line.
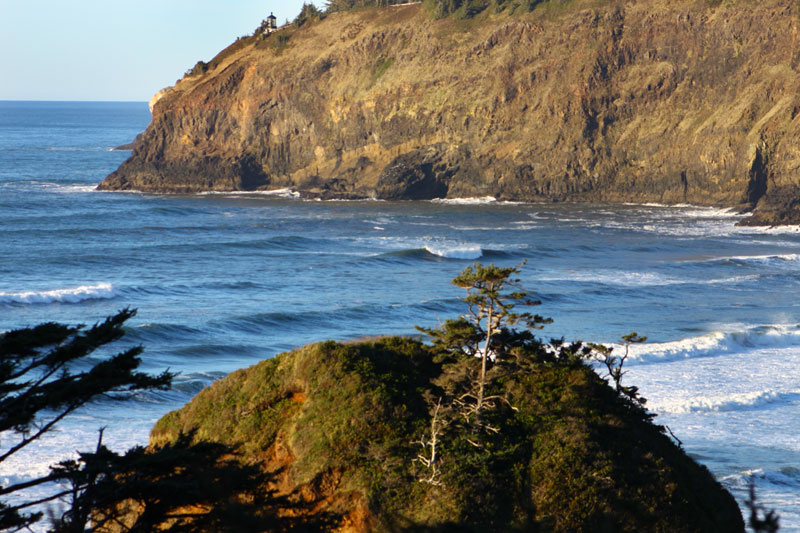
307,13
343,5
492,294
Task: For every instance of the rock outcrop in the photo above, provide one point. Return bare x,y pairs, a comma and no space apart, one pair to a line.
688,101
341,427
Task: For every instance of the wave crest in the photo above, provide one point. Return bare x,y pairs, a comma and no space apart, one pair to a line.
459,251
72,295
279,193
718,342
730,402
466,201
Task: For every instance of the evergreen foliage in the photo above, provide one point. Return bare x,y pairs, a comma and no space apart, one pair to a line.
343,5
182,486
465,9
614,365
48,372
484,330
770,523
460,9
201,67
307,13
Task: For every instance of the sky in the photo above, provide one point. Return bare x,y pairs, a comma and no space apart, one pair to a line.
117,50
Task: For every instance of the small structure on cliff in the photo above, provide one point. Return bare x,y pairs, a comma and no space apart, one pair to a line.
268,26
272,24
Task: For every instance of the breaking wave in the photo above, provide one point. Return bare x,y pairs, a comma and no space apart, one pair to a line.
711,344
786,476
72,295
466,201
760,259
69,189
729,402
461,251
280,193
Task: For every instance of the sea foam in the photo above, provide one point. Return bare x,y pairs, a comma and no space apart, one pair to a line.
69,189
466,201
279,193
718,342
750,260
71,295
726,402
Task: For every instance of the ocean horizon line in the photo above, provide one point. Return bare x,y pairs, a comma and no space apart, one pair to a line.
48,101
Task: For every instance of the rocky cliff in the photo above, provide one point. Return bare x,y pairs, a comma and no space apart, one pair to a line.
681,101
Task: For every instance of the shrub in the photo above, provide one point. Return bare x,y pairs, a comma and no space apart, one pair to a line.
307,13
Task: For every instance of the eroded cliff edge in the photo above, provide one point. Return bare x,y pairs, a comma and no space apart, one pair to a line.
655,101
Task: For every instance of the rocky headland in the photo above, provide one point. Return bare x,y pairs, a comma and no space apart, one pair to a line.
691,101
346,431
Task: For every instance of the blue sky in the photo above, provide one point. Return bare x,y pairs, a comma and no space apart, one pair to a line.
116,49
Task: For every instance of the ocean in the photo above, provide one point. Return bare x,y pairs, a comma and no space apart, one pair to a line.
222,281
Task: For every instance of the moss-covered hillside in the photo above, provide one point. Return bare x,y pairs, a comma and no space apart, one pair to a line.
343,426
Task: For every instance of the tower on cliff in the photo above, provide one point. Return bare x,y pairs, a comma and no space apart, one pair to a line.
272,23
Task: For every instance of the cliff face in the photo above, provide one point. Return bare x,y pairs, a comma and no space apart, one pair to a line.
580,101
342,428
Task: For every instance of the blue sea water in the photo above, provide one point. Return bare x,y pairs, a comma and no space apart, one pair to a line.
222,281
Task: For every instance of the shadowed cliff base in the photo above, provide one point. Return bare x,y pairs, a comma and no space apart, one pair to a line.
670,102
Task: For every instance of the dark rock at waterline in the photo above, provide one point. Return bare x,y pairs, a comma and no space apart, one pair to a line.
130,146
780,206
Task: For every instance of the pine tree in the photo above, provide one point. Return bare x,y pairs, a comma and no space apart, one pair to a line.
486,330
46,374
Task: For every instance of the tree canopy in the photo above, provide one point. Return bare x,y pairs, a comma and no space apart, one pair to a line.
46,374
49,371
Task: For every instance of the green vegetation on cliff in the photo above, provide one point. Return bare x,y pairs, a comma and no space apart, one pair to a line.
385,434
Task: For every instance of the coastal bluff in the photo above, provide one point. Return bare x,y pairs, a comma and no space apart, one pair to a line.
691,101
344,431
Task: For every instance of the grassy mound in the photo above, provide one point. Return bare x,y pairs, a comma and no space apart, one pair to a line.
347,427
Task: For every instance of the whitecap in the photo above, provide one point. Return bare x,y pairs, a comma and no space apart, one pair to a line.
70,295
718,342
76,149
460,251
692,210
766,258
465,201
727,402
773,230
68,189
749,259
621,279
280,193
788,476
